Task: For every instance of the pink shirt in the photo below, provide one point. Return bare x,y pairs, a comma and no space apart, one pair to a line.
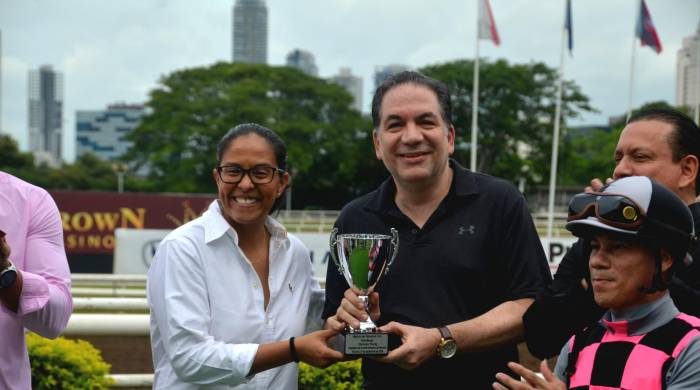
32,222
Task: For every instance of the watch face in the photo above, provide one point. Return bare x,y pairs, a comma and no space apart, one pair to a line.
8,278
448,349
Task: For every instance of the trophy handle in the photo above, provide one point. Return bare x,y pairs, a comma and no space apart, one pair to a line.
394,248
334,245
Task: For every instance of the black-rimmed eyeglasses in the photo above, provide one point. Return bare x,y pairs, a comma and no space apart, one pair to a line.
259,174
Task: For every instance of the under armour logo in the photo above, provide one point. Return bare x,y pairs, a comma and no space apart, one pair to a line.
471,229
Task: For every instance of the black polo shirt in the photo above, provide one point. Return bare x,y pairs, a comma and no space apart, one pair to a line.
477,250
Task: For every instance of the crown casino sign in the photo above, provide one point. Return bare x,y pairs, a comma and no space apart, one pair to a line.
90,219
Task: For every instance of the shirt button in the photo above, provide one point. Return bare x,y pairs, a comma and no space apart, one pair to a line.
414,231
255,285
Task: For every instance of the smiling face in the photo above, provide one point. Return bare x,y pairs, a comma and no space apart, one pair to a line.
619,268
247,204
413,140
644,150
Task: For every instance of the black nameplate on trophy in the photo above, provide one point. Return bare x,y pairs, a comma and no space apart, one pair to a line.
366,344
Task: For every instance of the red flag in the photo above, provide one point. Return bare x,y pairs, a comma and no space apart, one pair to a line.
646,30
487,26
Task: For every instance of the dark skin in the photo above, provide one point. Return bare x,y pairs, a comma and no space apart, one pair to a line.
9,296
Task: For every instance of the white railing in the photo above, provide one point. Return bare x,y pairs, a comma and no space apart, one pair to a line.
131,380
108,292
108,280
298,221
109,304
83,324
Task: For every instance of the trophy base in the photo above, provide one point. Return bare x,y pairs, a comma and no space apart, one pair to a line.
362,344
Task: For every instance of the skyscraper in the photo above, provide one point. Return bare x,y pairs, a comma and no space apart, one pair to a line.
382,73
352,83
103,132
46,112
302,60
250,31
688,72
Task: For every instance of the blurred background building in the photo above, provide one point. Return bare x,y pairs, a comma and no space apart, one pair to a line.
250,31
688,72
46,114
382,73
103,132
352,83
302,60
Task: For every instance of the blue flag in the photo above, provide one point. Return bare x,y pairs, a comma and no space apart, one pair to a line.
569,26
646,30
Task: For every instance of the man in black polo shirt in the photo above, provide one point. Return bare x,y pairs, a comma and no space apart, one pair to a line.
469,260
665,146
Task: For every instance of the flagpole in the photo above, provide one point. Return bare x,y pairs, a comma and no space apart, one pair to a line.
634,49
475,94
555,136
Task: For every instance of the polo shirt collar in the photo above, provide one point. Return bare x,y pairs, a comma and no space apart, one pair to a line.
695,210
215,226
463,184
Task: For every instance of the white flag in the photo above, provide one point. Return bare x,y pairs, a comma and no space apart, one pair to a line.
487,26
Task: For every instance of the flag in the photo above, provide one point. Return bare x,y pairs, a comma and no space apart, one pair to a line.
646,30
569,26
487,26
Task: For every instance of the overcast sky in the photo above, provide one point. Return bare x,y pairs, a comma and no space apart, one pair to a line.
115,51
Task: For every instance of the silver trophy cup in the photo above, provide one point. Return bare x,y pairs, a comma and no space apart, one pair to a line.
363,259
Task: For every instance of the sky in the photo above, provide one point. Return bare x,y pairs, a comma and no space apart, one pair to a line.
116,51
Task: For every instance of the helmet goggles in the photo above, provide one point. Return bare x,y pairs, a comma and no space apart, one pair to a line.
611,209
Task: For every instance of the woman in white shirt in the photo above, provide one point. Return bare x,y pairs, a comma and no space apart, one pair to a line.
231,293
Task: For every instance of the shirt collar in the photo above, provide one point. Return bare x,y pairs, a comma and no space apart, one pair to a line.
215,226
695,210
463,184
641,319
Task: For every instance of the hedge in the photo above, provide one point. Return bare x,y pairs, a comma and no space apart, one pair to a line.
66,364
340,376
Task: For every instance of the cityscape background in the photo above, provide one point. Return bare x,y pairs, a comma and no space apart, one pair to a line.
111,53
75,75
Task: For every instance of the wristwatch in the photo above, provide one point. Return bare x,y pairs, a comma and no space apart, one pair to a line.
447,347
8,276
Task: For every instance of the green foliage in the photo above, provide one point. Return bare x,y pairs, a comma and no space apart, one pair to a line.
516,107
588,156
11,157
340,376
88,172
329,146
66,364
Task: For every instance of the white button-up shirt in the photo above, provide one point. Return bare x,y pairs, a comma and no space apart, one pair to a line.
207,306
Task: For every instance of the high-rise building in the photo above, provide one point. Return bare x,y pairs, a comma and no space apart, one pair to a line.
103,132
382,73
688,72
302,60
352,83
46,113
250,31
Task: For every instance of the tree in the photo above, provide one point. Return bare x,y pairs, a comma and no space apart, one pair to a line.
327,141
516,108
11,157
588,156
